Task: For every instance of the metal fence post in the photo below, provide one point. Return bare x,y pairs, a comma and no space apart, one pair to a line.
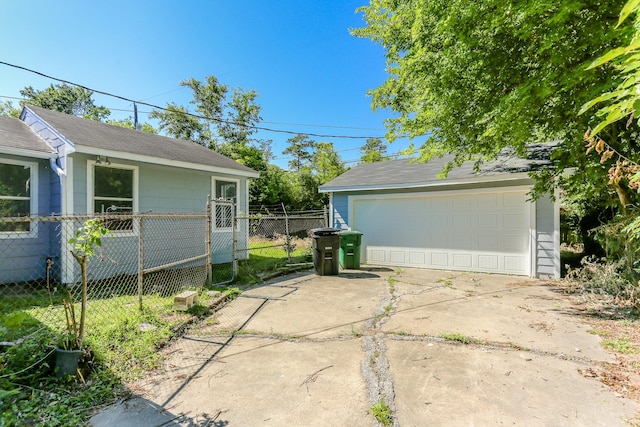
287,244
208,265
140,259
234,244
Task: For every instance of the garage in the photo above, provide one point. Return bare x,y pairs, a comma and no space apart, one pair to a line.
480,220
467,231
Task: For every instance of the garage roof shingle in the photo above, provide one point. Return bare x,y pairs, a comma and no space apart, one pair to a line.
395,173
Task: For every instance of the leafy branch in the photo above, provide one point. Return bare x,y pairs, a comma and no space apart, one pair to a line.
84,243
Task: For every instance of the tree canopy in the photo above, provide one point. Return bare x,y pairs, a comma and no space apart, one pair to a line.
66,99
374,150
482,76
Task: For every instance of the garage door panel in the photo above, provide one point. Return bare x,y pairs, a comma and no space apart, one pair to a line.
439,259
514,199
462,261
473,232
487,221
514,220
488,262
397,257
417,258
488,201
461,241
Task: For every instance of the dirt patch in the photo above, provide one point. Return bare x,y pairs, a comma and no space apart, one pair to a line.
618,326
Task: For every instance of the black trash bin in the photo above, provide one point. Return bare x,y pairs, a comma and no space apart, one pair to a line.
326,250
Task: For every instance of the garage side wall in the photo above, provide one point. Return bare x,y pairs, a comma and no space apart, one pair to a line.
547,238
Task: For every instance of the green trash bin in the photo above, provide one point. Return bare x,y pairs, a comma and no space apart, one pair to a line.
350,242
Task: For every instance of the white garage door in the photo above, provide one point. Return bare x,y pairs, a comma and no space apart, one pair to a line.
470,231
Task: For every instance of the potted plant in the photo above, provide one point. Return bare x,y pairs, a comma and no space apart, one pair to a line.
70,346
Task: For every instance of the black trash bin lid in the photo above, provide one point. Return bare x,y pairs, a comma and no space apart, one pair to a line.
325,231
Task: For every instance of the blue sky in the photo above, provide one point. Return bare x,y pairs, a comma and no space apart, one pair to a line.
298,56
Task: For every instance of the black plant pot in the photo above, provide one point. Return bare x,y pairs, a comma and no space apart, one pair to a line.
66,362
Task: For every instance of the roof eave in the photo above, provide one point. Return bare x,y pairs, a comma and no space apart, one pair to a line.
26,153
83,149
445,182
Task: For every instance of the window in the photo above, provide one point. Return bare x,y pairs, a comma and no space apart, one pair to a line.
225,190
113,194
16,196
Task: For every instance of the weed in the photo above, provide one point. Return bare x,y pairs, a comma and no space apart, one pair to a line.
392,281
598,332
402,333
622,345
382,413
388,308
447,282
354,332
457,336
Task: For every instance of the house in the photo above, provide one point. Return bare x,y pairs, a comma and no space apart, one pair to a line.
482,221
58,164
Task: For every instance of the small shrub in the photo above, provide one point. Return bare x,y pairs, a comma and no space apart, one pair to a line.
601,276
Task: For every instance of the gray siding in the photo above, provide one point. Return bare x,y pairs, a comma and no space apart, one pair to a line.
340,211
547,235
161,189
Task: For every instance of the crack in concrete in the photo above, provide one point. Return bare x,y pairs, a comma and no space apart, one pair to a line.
375,366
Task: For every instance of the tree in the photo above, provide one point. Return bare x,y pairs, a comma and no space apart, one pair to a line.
177,122
472,78
225,125
6,109
65,99
617,104
374,150
482,76
300,147
326,163
128,123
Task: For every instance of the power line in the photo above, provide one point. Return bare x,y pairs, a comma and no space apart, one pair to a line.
263,128
126,110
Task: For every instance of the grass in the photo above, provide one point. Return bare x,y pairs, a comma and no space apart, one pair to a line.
382,413
447,282
120,349
622,344
267,257
461,338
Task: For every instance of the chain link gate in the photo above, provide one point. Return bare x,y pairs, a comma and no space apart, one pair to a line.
275,241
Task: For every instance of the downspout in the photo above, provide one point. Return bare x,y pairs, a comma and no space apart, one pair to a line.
53,161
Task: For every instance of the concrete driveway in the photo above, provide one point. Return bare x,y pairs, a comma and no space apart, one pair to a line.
439,348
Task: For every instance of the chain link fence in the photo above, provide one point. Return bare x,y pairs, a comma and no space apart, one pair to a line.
144,261
277,240
140,267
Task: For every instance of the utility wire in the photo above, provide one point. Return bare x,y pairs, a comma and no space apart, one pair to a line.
126,110
266,129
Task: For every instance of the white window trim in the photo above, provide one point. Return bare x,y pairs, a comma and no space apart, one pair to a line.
33,198
215,196
90,194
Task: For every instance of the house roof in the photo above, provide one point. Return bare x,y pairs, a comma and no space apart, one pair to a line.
17,138
90,136
407,173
